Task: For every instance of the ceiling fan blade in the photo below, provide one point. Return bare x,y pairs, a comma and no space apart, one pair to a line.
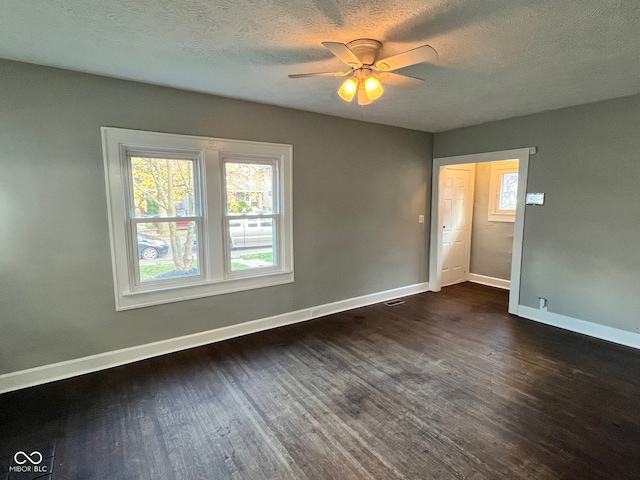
343,52
425,53
320,74
400,80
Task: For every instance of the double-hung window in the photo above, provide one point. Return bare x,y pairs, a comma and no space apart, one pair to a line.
503,191
252,218
196,216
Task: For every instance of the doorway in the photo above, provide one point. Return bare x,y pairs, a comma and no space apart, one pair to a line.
436,251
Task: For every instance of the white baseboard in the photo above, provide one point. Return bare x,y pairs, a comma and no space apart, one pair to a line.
491,281
603,332
80,366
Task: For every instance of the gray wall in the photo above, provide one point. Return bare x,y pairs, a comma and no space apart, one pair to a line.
491,242
582,248
358,191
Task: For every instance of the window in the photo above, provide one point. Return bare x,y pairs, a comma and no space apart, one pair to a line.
252,215
503,191
194,216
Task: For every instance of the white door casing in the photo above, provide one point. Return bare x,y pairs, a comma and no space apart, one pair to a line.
456,211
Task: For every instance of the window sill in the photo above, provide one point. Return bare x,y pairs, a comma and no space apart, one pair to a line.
501,218
175,293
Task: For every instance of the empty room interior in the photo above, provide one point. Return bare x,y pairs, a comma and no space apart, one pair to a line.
319,239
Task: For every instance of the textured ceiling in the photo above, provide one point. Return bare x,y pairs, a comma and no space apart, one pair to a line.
497,58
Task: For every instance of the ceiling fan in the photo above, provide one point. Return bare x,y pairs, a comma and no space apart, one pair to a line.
367,72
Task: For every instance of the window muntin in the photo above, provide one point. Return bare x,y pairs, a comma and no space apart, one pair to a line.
194,225
503,191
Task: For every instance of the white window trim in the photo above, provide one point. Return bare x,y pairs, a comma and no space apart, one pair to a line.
495,184
215,278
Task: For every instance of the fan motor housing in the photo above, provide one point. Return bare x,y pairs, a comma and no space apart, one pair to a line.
366,49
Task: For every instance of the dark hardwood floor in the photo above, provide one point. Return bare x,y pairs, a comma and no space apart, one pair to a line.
444,386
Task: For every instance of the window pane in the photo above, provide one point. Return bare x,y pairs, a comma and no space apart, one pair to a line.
249,188
508,191
167,250
162,187
251,246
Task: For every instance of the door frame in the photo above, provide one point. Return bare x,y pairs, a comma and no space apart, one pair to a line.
469,200
435,240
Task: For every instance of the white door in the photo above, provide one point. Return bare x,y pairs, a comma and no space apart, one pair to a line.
455,206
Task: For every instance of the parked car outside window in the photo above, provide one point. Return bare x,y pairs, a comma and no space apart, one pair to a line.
150,248
251,232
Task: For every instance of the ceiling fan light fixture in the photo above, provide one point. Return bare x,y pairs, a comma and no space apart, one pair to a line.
367,72
363,99
348,89
373,88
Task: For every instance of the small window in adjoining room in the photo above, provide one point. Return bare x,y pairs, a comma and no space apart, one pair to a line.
195,216
503,191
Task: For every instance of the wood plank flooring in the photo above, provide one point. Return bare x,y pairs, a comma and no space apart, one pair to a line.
444,386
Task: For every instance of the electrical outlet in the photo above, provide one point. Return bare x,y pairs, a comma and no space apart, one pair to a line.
543,303
420,218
